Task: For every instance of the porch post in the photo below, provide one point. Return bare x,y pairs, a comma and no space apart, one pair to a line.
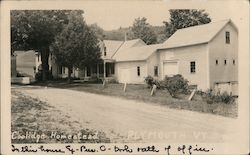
97,70
104,69
85,72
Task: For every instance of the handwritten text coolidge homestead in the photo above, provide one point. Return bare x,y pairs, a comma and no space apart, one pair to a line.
53,135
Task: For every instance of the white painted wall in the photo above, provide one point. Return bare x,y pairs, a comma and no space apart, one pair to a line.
184,55
219,50
152,61
131,67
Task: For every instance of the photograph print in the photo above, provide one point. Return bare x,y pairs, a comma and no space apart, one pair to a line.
125,73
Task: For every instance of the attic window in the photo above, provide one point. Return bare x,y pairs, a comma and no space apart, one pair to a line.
228,37
225,62
105,53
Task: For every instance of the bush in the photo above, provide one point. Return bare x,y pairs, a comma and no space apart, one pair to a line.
150,81
39,76
176,84
113,81
210,97
18,74
226,98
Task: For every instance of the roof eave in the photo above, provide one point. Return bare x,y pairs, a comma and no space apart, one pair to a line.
184,45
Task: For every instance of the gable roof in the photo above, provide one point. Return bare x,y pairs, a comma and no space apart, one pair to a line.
136,53
132,43
111,47
129,44
195,35
114,46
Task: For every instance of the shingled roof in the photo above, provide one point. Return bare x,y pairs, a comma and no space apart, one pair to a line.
137,53
113,47
195,34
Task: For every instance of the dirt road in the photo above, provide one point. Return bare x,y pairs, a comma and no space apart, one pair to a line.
131,121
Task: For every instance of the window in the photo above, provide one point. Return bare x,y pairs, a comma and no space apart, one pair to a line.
63,70
88,71
156,70
228,37
112,67
233,62
192,66
138,71
60,69
216,62
225,62
105,53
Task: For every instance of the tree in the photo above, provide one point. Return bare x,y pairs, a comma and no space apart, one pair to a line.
185,18
99,32
36,30
77,45
141,29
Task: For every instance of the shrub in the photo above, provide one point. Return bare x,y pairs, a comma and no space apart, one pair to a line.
150,81
210,97
176,84
113,81
226,98
39,76
18,74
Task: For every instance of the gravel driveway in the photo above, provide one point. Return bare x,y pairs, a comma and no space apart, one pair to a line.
131,121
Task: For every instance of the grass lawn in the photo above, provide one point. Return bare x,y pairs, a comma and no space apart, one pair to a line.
30,115
162,97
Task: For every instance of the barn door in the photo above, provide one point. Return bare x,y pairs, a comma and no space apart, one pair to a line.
170,68
125,75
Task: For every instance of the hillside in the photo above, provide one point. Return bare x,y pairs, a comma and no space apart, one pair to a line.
119,34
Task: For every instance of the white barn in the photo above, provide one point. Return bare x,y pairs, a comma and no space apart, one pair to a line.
206,55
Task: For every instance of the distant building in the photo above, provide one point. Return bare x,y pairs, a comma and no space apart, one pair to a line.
29,62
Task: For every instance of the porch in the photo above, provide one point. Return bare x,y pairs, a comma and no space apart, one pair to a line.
104,70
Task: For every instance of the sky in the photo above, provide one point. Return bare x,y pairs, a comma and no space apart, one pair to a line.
114,14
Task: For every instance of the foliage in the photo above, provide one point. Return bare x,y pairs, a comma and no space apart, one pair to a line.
180,18
176,84
39,76
76,46
118,34
36,30
160,33
210,97
141,29
150,81
99,32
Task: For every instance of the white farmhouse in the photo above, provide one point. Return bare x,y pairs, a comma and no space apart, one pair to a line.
206,55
